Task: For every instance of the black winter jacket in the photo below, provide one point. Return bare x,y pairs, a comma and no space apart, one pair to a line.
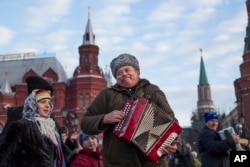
213,151
24,146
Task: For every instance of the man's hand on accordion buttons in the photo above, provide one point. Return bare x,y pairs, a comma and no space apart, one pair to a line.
113,117
170,149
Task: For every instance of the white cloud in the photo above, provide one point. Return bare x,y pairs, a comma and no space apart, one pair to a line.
6,35
41,15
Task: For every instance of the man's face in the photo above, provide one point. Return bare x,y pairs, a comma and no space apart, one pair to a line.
127,76
212,124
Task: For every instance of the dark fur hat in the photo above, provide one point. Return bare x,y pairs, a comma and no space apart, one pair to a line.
123,60
36,82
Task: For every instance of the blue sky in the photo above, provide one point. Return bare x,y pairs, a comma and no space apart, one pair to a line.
165,35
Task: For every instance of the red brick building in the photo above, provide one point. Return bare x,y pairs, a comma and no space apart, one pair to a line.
242,84
71,95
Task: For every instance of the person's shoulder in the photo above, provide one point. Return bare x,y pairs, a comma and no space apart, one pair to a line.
105,92
18,127
79,160
22,123
147,84
14,113
206,132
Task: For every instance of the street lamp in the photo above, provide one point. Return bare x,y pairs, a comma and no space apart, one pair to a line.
64,112
239,128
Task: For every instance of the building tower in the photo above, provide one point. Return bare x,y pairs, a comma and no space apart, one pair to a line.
242,84
88,78
204,103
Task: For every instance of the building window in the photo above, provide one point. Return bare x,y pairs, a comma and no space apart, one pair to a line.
87,102
81,102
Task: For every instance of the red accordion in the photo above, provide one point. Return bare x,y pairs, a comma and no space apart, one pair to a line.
148,127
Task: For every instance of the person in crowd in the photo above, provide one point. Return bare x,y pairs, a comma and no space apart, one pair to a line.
15,113
66,139
197,162
212,149
90,155
71,146
106,110
33,140
183,157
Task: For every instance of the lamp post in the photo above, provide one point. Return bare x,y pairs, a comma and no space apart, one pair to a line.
64,112
239,129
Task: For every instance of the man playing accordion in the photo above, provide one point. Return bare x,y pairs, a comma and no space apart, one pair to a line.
106,111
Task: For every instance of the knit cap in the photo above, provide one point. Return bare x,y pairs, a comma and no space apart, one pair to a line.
123,60
210,115
83,136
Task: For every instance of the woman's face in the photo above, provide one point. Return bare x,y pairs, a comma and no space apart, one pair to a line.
127,76
44,107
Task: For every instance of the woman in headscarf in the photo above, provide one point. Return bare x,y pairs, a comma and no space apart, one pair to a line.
33,140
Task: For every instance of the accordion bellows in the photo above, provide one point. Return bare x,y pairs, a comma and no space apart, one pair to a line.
148,127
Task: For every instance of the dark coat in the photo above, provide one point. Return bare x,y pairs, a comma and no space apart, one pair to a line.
185,158
117,152
213,151
13,114
25,146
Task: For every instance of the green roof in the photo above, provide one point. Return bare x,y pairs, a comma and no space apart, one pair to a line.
203,75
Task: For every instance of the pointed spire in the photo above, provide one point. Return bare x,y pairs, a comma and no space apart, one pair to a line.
88,12
89,37
203,75
6,89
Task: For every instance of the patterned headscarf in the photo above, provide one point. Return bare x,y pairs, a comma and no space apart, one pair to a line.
30,108
46,125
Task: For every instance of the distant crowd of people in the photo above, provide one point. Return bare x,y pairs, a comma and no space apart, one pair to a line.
32,137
